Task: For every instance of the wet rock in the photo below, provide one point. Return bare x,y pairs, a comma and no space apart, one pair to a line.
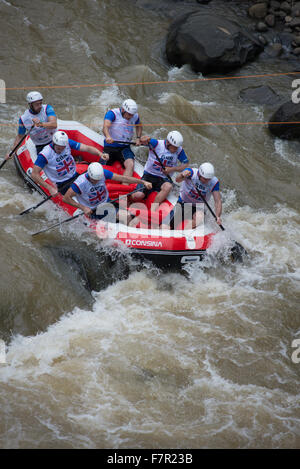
258,11
296,51
210,43
261,27
274,50
296,40
262,40
295,8
274,4
260,95
294,23
288,112
285,6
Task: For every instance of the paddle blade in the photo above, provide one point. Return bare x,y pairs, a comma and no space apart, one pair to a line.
238,253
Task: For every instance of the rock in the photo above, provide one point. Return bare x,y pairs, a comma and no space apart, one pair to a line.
262,40
210,43
296,51
288,19
270,20
274,4
296,40
275,49
288,112
260,95
203,2
259,10
280,14
294,23
295,7
285,6
261,27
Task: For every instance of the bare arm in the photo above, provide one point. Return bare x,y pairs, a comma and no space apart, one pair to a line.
16,141
39,180
178,169
50,124
94,151
183,175
106,126
131,180
68,199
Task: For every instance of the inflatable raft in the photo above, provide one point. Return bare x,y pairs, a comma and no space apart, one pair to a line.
163,247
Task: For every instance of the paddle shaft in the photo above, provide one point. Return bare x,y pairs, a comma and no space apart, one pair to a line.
79,215
17,146
160,162
208,206
42,202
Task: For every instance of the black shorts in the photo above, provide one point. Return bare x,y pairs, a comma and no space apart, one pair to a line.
65,185
156,182
118,154
40,147
180,213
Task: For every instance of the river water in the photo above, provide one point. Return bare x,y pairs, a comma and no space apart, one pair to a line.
144,358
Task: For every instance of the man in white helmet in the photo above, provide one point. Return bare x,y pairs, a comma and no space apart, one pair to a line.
119,125
58,164
42,116
90,190
170,153
190,203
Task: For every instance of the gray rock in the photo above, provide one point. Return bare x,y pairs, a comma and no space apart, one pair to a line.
296,51
285,6
258,11
274,4
294,23
261,27
210,43
288,112
260,95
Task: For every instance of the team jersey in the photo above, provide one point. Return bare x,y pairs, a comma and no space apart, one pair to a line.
121,129
188,190
167,158
90,194
38,135
58,167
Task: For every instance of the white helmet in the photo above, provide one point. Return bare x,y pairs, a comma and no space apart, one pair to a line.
206,170
33,96
95,171
60,138
130,106
175,138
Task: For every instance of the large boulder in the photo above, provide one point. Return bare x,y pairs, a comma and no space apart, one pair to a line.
263,95
209,43
288,112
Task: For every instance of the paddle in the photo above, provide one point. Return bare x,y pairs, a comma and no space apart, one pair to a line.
17,146
237,251
79,215
42,202
160,162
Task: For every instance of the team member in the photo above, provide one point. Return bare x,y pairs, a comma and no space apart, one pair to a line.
58,163
90,189
42,116
119,126
169,152
195,181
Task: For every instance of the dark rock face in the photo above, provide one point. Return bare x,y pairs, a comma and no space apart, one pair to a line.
210,44
263,95
288,112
